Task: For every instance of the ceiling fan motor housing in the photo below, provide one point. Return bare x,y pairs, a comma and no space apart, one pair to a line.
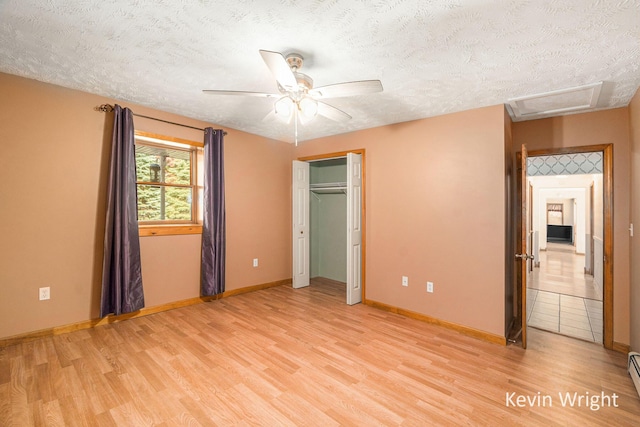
295,61
304,82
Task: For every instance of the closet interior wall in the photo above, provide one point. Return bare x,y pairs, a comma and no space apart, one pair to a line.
328,220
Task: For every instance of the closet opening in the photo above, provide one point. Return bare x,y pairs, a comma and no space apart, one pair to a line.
328,223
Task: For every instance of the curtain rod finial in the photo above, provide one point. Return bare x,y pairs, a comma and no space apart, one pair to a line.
105,108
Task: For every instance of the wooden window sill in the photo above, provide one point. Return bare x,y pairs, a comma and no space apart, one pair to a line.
168,230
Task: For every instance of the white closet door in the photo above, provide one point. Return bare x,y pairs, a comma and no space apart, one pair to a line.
354,228
300,198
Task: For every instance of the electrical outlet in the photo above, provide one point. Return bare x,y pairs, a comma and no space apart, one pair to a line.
405,281
45,293
255,262
430,287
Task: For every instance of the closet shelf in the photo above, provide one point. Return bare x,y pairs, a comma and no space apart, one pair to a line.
329,187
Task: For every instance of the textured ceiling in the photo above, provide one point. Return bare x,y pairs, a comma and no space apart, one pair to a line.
433,57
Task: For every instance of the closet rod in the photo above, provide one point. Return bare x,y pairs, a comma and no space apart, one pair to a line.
329,190
107,108
329,185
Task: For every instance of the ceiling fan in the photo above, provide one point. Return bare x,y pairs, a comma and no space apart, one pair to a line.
297,98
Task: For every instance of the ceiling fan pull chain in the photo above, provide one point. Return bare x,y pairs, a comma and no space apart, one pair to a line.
295,121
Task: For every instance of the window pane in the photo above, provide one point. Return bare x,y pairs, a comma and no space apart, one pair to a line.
162,164
164,203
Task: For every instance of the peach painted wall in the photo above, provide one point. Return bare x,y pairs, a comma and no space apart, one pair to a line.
435,211
602,127
634,115
54,151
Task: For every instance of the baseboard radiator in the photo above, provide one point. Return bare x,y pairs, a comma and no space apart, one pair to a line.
634,369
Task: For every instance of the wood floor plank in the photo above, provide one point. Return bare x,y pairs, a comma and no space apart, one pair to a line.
128,414
283,356
301,411
52,414
76,411
6,417
5,370
330,400
211,412
66,349
18,392
42,380
201,414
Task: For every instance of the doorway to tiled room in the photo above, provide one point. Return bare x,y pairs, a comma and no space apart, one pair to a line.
562,298
565,283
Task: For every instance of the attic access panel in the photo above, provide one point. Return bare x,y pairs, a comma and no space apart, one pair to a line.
574,99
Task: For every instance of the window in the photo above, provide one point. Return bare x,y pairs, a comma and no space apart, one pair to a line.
167,190
554,214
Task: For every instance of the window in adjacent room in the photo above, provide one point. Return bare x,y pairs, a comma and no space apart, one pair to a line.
555,214
166,175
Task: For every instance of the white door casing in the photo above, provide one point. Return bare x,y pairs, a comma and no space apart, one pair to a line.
300,219
354,228
300,232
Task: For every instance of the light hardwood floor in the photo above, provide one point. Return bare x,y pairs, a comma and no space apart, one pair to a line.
302,357
562,271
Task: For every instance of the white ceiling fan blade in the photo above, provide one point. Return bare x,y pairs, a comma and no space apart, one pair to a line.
271,115
333,113
280,69
347,89
240,92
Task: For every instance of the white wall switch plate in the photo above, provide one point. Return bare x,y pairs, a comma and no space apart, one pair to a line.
255,262
405,281
430,287
44,293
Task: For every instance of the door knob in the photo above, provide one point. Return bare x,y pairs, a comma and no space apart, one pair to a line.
525,256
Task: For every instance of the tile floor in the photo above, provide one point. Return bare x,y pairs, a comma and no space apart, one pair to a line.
561,298
565,314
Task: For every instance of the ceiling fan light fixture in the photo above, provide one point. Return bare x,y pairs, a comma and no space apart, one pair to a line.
284,107
309,107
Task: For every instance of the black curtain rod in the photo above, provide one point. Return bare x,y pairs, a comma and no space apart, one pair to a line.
107,108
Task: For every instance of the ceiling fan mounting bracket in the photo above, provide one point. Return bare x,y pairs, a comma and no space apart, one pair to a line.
295,61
